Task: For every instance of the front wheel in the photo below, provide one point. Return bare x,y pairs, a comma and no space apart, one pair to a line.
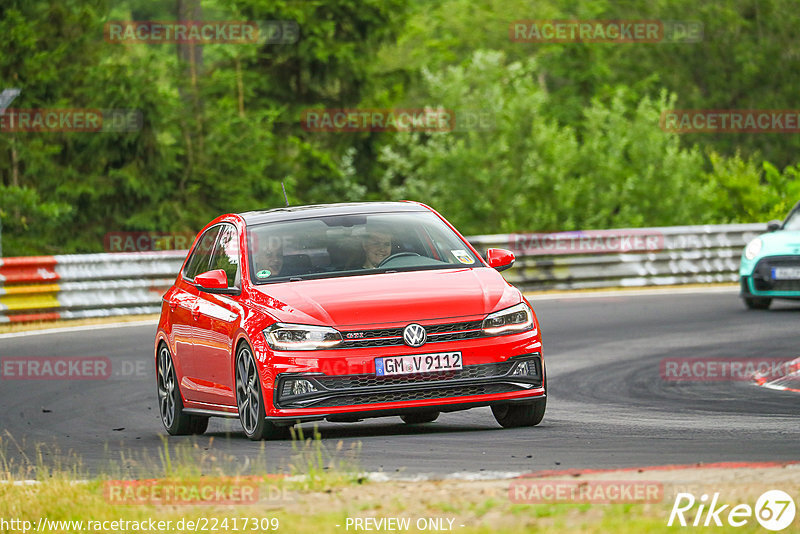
419,418
249,400
522,414
170,403
757,303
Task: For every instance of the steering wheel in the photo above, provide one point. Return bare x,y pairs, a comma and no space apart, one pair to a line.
390,257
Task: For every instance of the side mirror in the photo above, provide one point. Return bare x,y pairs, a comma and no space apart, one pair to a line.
774,225
215,281
499,258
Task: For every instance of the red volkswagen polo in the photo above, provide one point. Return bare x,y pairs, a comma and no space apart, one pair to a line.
343,312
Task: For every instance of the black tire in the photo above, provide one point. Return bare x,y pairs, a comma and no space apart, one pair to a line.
170,402
419,418
250,401
515,415
522,414
199,424
757,303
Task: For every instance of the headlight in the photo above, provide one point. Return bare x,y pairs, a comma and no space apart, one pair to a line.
753,248
513,319
282,336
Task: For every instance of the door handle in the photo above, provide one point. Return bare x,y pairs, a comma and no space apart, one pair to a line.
195,312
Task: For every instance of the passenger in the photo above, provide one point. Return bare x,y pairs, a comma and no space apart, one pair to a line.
269,259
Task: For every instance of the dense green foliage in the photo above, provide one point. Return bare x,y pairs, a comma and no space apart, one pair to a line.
573,138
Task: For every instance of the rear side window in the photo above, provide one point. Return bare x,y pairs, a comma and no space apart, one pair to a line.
200,259
226,253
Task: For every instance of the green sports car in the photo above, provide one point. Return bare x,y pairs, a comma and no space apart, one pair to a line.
770,265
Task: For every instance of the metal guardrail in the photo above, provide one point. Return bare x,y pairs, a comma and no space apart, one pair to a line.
625,257
96,285
46,288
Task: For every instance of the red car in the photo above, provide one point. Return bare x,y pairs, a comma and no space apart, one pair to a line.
343,312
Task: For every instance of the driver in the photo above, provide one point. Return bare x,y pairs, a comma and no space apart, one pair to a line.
377,245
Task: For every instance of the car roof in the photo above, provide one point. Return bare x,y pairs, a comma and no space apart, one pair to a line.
321,210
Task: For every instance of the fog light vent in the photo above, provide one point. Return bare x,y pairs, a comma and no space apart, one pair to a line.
297,386
521,369
525,368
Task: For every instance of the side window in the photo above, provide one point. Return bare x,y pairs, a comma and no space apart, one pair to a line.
201,255
226,253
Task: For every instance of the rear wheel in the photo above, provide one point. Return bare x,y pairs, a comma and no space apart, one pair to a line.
249,400
419,418
757,303
170,403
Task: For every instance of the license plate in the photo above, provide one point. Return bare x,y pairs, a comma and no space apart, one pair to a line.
786,273
418,363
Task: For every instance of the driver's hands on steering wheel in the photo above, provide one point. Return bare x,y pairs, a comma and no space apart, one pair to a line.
390,257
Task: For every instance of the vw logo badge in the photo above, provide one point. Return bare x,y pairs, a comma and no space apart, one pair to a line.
414,335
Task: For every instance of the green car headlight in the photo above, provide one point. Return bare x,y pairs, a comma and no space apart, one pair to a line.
753,248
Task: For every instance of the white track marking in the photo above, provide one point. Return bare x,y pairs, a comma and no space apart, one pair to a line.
67,329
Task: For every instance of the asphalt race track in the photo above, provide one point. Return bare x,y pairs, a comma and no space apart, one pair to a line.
608,405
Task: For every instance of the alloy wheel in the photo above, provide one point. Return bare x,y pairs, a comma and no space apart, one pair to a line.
247,395
166,387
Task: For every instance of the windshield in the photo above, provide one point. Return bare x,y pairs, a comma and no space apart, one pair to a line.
792,221
352,245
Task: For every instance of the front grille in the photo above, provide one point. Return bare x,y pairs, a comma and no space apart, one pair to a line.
345,390
487,370
413,395
776,285
762,274
388,337
452,327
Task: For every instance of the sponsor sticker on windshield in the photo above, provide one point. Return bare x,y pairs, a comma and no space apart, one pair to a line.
264,273
463,256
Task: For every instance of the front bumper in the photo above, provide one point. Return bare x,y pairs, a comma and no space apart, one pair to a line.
520,374
442,405
759,282
347,388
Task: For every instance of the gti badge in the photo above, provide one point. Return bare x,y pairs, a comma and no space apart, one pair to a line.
414,335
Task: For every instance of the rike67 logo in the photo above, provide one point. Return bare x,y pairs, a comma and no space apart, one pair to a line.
774,510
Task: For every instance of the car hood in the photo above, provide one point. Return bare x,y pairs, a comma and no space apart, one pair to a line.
780,242
382,299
